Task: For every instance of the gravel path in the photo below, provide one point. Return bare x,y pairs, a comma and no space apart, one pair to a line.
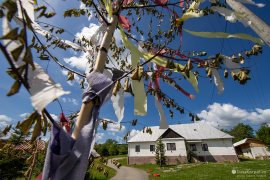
128,173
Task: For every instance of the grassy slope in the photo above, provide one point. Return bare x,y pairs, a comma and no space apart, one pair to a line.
213,171
94,174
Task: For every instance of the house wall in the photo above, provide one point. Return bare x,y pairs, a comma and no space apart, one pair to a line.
146,156
218,150
247,152
259,152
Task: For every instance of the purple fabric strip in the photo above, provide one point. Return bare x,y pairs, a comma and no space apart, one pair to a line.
66,158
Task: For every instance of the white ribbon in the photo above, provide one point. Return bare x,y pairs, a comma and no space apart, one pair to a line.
118,104
218,82
163,121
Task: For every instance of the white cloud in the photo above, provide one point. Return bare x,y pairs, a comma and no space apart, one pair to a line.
55,117
76,78
227,115
82,6
25,115
70,100
79,62
115,127
4,121
133,132
99,136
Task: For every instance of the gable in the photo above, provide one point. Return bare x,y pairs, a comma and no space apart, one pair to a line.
169,133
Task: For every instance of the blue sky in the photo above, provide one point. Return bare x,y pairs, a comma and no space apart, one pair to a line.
239,103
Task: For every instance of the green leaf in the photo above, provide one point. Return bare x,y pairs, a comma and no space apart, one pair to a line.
26,125
13,34
7,129
28,58
14,88
17,52
70,76
45,123
12,9
37,130
44,57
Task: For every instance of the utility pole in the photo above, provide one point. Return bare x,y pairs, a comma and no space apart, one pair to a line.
254,22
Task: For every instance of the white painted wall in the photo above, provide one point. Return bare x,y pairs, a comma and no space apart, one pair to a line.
145,148
259,151
180,147
215,147
247,153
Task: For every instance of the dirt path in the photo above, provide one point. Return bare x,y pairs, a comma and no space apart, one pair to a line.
128,173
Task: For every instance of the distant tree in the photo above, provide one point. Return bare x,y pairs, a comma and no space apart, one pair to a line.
17,136
113,150
122,148
160,153
111,141
225,131
241,131
263,134
102,149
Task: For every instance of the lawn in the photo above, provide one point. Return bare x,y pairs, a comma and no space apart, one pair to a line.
94,174
252,169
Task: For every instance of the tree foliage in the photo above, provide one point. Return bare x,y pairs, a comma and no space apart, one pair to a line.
241,131
263,134
160,153
17,136
111,148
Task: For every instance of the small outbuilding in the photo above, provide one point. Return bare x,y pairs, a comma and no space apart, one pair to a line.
252,148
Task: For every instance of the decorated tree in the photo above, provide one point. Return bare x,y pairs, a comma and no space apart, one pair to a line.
113,67
160,153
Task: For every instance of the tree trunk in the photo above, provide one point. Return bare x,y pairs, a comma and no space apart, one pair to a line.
86,108
258,25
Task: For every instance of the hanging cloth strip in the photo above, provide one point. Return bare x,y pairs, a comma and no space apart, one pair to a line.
67,158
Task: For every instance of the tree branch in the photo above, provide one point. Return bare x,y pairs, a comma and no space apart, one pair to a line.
100,14
149,6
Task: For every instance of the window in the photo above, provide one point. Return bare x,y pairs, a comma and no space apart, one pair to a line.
204,147
137,148
171,147
193,147
152,148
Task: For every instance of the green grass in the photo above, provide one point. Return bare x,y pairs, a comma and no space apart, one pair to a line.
94,174
117,156
123,161
253,169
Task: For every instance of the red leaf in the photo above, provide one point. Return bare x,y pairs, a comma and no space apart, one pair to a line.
125,2
182,2
67,127
124,22
63,119
39,177
161,2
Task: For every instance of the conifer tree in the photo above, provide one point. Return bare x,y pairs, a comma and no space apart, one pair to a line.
160,153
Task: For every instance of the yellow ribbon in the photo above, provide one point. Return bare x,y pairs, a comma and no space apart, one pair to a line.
226,35
158,60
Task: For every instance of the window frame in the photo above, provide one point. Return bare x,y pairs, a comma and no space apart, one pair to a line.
139,148
193,147
205,147
153,150
169,145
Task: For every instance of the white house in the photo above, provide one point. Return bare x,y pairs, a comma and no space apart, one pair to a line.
252,148
206,142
